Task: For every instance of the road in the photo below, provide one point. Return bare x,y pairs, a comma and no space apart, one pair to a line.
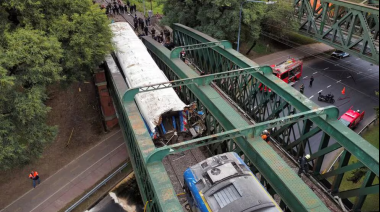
359,77
75,178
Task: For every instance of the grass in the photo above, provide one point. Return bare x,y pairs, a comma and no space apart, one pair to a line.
156,5
372,201
300,39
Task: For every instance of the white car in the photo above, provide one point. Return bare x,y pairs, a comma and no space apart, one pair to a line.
340,54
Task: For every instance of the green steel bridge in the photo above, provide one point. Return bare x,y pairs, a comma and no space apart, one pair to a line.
347,26
294,118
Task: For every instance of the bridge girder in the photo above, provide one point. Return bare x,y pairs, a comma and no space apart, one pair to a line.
281,178
344,25
332,131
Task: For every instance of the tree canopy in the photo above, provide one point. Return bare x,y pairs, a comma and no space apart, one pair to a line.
220,18
41,43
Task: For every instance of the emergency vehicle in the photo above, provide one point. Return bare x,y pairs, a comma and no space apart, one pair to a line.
290,71
352,118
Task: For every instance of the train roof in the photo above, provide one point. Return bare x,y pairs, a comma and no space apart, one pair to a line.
228,185
140,69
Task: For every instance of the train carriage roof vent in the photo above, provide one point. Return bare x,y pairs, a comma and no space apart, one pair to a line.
204,165
227,195
222,172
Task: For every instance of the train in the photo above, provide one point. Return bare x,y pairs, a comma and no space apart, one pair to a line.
224,183
168,119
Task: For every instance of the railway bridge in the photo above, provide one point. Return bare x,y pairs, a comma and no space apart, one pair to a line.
347,26
230,88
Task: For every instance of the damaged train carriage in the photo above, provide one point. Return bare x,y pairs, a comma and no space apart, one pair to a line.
167,118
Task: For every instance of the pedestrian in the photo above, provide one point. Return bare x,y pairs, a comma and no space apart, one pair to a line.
136,23
304,166
121,9
183,55
302,88
114,10
311,81
128,3
153,31
148,21
134,8
142,24
146,30
34,176
125,8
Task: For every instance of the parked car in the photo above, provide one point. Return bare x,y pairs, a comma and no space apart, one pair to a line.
340,54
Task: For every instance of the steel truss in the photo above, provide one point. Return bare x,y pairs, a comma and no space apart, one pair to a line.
220,117
297,138
344,25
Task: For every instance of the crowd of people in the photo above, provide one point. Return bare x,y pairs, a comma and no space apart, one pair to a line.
118,8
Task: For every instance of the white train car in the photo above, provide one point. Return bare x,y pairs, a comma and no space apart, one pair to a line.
163,111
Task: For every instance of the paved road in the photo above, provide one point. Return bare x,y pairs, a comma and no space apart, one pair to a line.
75,178
360,78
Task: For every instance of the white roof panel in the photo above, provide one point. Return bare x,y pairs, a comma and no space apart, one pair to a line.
141,70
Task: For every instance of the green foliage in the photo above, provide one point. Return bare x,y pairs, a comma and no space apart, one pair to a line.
41,43
217,18
220,18
279,19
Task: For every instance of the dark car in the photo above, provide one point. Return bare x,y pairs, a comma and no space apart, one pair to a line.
340,54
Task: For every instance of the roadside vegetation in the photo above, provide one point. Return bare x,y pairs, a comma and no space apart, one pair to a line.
220,19
42,43
350,181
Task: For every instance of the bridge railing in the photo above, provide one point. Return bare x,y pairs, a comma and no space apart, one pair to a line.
320,138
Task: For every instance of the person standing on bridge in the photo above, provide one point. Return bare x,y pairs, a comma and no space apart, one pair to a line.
136,24
311,81
34,176
146,30
121,8
304,165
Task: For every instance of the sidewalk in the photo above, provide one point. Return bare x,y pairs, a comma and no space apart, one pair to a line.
74,179
299,53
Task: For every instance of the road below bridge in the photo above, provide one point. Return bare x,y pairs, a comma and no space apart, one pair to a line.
359,77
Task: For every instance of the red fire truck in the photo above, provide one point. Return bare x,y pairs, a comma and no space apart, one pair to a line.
290,71
352,118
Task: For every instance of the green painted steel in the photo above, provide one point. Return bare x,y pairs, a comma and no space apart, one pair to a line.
176,51
199,81
347,26
153,180
257,152
246,132
284,100
350,140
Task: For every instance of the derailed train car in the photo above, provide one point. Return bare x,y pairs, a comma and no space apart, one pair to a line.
167,118
224,183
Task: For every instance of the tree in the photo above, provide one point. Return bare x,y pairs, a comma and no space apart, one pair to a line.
41,43
217,18
279,19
